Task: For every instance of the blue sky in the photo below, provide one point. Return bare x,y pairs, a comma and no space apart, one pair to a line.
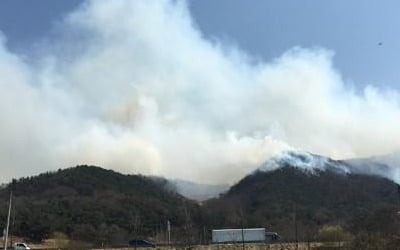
363,34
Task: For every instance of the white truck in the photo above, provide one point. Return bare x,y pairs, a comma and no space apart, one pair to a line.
238,235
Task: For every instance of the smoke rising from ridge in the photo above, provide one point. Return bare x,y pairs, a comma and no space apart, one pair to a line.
134,86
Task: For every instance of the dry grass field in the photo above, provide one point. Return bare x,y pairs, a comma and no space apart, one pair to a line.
279,246
51,245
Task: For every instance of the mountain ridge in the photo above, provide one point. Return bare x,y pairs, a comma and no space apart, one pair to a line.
387,166
316,196
86,202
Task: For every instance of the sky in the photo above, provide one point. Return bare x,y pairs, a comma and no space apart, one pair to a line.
362,34
199,90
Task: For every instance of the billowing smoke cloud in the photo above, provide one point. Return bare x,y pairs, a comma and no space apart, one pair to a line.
134,86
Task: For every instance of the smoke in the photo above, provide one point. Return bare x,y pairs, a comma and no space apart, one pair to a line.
134,86
307,161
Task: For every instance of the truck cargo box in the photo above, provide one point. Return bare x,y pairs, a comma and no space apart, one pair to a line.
238,235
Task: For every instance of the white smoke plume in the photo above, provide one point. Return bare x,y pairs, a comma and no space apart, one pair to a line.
134,86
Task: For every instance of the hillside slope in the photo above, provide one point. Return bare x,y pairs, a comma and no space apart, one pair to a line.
290,197
297,191
93,204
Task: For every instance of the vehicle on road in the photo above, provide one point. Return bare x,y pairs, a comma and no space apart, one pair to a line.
272,237
141,243
238,235
243,235
21,246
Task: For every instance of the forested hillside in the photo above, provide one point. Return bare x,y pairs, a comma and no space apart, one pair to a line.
93,204
101,206
289,198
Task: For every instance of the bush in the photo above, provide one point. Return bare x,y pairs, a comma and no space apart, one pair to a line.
333,234
60,240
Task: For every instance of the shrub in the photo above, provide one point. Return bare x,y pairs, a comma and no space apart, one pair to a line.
333,234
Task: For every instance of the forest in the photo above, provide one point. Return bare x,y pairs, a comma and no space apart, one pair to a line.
101,207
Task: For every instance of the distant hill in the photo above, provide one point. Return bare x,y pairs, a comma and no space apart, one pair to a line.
94,204
198,191
303,191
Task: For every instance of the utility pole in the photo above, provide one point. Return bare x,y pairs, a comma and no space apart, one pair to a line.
169,232
8,222
12,223
295,227
136,229
242,237
204,235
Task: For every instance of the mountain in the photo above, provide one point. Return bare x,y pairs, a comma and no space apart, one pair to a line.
296,191
301,190
384,166
93,204
387,166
